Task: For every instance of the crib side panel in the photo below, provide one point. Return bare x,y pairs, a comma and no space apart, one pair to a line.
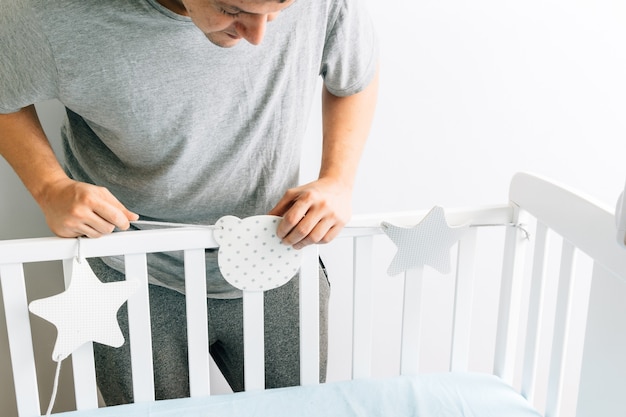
132,245
584,228
552,323
460,330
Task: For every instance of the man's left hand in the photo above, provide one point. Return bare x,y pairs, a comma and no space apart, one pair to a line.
313,213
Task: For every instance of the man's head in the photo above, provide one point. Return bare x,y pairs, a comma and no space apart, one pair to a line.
226,22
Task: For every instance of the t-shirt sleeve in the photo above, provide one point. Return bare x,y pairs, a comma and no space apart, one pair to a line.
350,54
27,67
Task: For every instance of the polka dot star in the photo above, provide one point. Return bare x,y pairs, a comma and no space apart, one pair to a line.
427,243
251,256
86,311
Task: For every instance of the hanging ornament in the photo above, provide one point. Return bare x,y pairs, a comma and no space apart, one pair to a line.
251,256
85,312
427,243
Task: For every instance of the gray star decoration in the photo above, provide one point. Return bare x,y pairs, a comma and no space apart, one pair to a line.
86,311
427,243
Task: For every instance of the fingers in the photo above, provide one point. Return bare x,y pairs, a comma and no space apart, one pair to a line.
78,209
94,221
108,215
310,216
114,213
308,232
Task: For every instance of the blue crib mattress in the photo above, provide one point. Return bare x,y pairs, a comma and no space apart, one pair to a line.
426,395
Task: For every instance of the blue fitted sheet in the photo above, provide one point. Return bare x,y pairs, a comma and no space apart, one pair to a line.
426,395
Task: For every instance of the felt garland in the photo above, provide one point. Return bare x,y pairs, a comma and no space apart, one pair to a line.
85,312
427,243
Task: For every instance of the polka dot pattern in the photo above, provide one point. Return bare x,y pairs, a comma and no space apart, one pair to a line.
251,256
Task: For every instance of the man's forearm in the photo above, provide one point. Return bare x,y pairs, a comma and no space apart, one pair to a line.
71,208
316,212
346,126
24,145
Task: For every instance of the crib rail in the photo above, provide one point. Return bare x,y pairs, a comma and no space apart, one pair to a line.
524,311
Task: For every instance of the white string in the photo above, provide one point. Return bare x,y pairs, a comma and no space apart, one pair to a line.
526,232
79,256
54,387
519,226
170,224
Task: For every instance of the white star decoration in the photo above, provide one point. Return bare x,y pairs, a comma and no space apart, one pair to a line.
86,311
427,243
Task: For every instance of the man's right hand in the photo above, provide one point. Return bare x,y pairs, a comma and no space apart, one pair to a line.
75,208
71,208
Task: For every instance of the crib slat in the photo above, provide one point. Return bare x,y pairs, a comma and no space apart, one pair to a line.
362,308
309,316
84,372
411,321
463,303
20,340
535,311
254,341
197,326
139,326
515,244
560,336
83,364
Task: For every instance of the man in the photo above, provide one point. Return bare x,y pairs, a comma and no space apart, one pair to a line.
163,125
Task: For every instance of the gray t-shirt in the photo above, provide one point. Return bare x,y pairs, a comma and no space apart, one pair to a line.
178,129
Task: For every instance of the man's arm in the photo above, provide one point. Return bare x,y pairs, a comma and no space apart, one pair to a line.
316,212
71,208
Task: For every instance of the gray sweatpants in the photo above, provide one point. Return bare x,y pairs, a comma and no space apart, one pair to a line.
169,340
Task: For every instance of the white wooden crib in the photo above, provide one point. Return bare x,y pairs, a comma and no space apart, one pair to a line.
532,340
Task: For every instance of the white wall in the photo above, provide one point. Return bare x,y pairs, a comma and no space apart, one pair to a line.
471,92
474,91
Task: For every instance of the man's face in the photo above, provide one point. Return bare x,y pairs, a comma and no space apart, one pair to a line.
226,22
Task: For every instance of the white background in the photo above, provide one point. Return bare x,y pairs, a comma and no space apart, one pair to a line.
471,92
